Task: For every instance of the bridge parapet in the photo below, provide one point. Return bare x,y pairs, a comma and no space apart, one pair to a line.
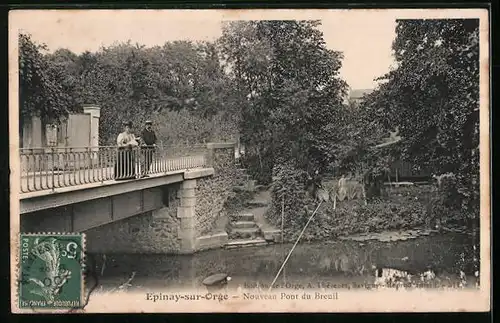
165,213
193,208
48,169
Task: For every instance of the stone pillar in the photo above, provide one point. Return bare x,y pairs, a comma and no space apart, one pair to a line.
27,136
210,155
95,114
213,149
32,133
187,215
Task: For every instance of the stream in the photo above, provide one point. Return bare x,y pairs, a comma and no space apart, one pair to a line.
311,265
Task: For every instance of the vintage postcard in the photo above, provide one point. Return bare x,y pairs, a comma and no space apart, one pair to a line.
250,160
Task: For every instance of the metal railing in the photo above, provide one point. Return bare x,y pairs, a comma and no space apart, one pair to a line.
51,168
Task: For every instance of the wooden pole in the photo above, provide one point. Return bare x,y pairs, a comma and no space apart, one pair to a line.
296,242
282,230
282,218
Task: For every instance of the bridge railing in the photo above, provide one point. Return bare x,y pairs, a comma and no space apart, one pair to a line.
51,168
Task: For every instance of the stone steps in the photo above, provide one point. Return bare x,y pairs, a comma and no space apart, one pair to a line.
247,230
243,224
243,230
245,186
257,203
241,243
245,217
260,188
245,233
239,188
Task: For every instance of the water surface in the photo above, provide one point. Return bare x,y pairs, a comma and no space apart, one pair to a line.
312,265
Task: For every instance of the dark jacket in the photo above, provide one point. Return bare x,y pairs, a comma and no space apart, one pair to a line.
149,137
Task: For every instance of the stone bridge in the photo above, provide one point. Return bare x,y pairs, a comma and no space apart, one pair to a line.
173,210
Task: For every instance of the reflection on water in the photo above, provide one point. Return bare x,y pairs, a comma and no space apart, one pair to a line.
311,265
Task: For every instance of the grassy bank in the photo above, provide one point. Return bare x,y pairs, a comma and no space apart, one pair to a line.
401,208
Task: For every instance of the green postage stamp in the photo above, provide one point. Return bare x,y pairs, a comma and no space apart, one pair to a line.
51,271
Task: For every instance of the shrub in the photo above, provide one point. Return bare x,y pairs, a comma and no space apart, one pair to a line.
184,127
446,206
288,185
350,217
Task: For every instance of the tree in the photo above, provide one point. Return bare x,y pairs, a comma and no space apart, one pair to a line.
292,89
62,65
433,96
40,91
132,82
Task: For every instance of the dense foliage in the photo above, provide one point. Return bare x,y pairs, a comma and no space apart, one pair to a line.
432,96
404,209
431,100
41,91
277,85
289,197
181,79
292,89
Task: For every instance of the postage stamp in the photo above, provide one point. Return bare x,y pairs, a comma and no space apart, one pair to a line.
51,271
260,160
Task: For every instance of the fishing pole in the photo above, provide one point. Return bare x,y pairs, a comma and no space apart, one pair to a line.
283,231
296,242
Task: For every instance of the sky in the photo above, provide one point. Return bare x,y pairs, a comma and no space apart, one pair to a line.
364,36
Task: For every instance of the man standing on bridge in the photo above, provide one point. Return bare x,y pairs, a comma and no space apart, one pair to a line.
149,145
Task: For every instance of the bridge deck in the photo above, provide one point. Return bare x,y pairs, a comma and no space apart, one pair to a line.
45,183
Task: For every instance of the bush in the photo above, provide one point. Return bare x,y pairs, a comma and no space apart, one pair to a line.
350,217
446,205
184,127
404,208
288,185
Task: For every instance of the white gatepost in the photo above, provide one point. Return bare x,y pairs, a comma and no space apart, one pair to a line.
95,114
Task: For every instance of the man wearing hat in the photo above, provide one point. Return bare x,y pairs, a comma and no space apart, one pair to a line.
149,145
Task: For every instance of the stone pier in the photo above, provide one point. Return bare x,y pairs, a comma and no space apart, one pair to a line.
186,212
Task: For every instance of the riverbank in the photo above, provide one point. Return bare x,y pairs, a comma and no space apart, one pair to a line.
401,210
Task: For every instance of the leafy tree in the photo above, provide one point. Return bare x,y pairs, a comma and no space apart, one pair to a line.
62,66
40,90
131,82
433,97
292,89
